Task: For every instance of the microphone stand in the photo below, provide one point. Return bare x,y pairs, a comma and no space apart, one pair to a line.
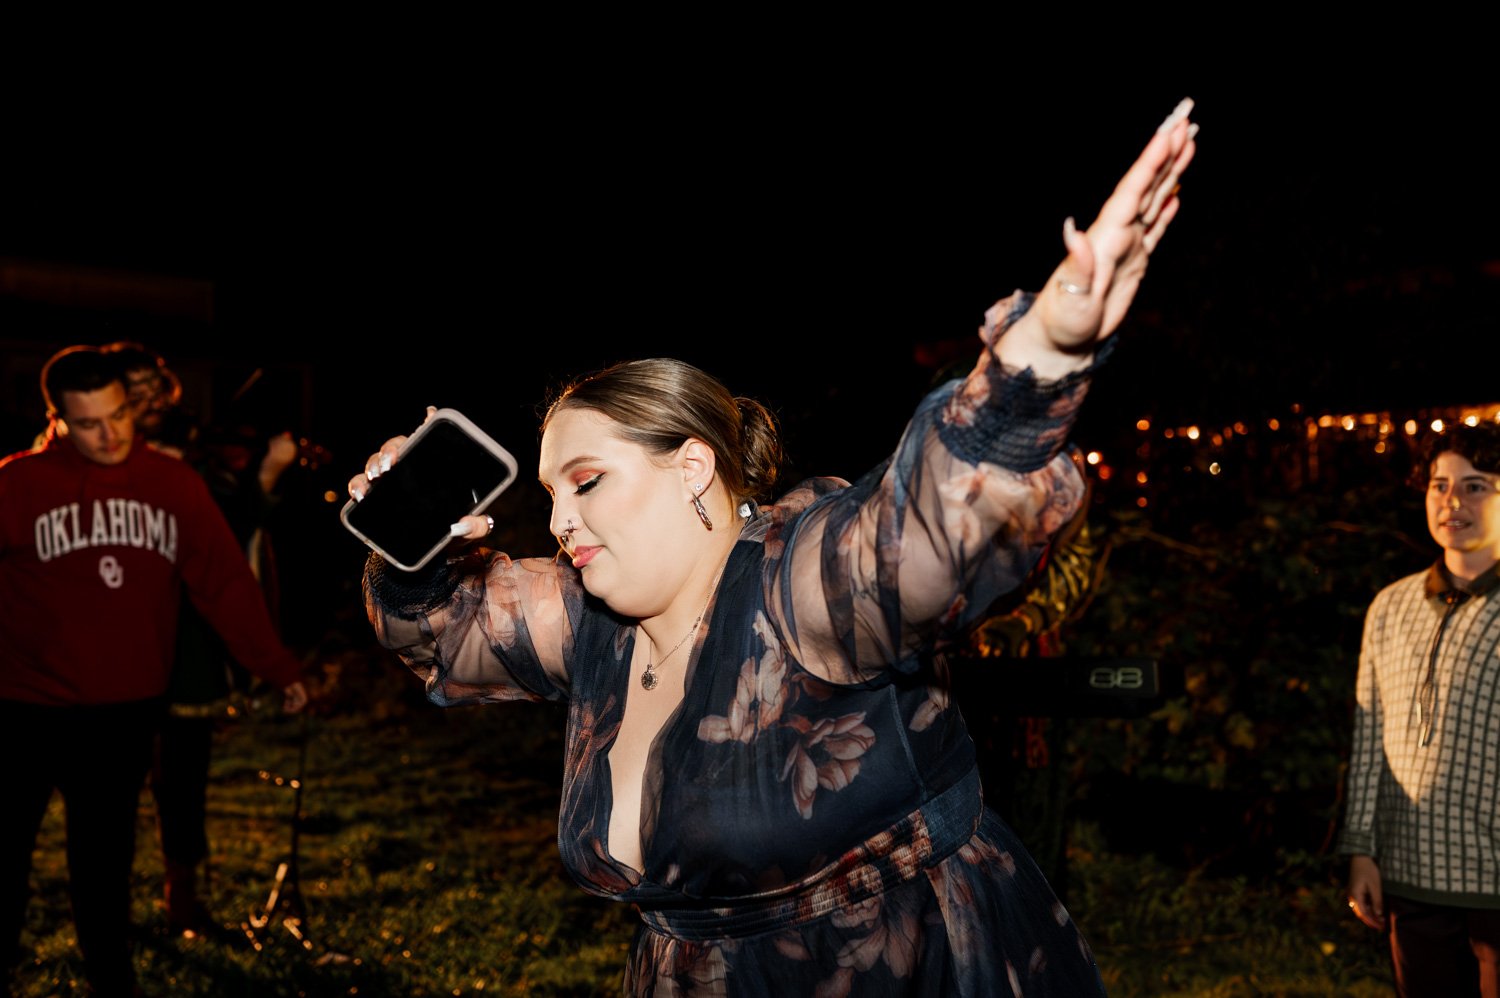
285,900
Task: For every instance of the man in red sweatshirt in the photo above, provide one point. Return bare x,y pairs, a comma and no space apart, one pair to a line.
98,538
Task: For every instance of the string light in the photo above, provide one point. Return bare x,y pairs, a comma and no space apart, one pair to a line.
1373,428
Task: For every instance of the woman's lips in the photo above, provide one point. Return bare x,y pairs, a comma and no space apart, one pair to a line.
583,554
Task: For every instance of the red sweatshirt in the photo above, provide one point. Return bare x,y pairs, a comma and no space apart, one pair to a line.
92,561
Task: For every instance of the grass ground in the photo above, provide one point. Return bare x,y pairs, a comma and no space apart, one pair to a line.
428,866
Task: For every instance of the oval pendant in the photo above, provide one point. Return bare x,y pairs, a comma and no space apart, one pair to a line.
648,680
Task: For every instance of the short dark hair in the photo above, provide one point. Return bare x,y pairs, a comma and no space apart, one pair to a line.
78,369
1479,444
133,356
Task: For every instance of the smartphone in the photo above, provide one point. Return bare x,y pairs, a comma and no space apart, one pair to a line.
447,469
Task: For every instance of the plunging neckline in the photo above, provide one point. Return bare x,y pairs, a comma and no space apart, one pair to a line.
626,690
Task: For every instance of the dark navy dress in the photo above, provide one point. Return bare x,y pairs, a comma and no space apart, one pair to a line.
811,817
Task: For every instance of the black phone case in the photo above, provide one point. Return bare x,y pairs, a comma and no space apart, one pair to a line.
447,469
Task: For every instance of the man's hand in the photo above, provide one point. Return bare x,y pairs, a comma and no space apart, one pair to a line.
1364,892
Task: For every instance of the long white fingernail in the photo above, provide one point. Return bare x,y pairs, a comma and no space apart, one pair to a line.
1193,130
372,472
1178,113
385,463
358,494
1070,228
458,530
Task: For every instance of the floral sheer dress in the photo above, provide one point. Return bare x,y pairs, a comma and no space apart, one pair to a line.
811,816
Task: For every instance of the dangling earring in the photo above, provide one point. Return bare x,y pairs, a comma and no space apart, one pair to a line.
698,508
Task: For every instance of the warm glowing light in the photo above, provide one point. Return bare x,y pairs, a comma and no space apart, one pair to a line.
1105,472
1143,425
1214,469
1325,421
1140,477
1192,432
1471,420
1380,447
1169,433
1095,457
1228,432
1217,440
1410,427
1347,422
1141,501
1437,426
1385,427
1273,424
1296,407
330,496
1242,430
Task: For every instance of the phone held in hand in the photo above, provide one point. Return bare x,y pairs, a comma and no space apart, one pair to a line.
447,469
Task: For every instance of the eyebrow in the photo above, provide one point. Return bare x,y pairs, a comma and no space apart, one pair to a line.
570,465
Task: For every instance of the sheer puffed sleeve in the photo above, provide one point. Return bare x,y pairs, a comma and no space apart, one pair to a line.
479,629
874,575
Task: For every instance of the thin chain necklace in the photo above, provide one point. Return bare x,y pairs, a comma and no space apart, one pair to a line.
648,678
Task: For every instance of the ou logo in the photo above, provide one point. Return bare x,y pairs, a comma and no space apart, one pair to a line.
111,571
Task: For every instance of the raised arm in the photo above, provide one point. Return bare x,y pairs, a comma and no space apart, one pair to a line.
875,575
1090,291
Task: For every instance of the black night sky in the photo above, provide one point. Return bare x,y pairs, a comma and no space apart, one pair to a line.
474,239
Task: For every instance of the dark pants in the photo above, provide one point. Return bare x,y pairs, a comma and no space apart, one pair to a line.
97,758
179,783
1443,952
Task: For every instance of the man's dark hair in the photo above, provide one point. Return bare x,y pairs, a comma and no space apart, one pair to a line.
133,356
78,369
1480,444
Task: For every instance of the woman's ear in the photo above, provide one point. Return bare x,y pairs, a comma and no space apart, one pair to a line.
697,461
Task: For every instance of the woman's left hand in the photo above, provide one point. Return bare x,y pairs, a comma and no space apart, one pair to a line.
1091,290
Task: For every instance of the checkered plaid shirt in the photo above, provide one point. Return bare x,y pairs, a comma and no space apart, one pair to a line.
1428,813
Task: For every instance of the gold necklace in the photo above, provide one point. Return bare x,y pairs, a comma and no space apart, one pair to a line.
648,678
